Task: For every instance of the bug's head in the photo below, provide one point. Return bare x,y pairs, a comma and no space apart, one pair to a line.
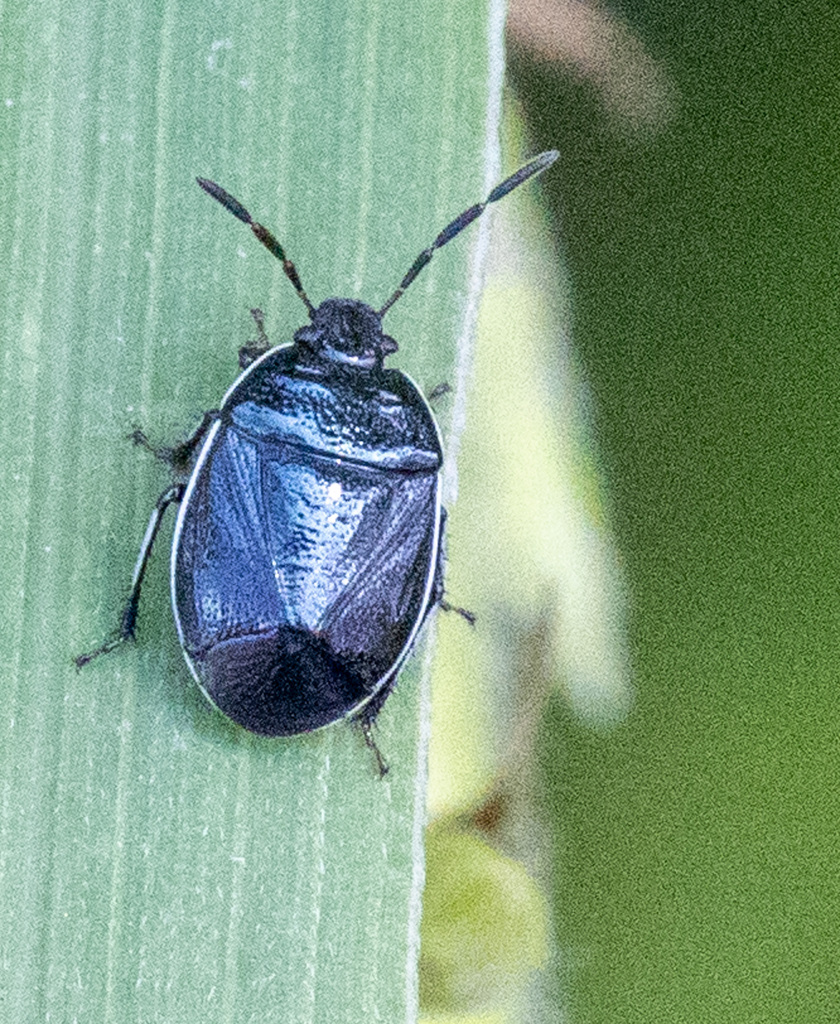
346,332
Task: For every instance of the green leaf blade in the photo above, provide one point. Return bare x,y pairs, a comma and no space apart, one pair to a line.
156,863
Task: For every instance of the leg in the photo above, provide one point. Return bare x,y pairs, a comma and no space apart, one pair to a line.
128,620
438,589
254,349
463,612
366,724
438,391
179,456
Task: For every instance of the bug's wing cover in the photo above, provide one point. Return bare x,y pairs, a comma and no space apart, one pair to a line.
299,579
354,550
225,585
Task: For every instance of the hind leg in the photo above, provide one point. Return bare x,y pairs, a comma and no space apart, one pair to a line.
128,619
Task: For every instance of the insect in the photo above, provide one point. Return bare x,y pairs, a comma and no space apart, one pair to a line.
307,550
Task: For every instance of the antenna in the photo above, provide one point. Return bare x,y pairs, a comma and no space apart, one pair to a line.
263,234
536,166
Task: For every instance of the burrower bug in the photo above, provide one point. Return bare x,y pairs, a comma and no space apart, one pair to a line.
308,546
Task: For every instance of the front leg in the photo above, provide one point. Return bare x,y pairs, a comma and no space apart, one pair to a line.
254,349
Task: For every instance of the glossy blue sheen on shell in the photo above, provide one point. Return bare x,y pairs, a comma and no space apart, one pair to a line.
306,553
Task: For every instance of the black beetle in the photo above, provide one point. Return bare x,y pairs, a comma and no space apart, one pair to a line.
308,546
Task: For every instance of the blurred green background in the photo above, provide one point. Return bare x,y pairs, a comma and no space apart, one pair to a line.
697,871
158,864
